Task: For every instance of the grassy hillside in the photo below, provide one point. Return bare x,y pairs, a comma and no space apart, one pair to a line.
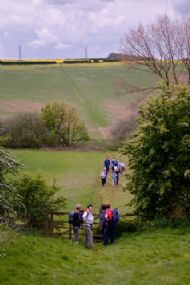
159,257
94,89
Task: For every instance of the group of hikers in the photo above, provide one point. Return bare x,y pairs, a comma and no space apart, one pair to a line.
116,167
107,222
108,218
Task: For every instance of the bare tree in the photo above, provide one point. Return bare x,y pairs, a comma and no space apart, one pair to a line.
161,47
184,45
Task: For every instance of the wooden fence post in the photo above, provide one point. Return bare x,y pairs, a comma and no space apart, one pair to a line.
51,224
46,224
70,231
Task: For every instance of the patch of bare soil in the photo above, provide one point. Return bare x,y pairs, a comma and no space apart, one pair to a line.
19,106
119,112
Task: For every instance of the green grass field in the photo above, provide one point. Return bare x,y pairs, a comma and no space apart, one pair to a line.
95,90
77,173
155,256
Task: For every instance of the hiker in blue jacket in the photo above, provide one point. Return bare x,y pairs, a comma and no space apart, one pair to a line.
107,164
114,163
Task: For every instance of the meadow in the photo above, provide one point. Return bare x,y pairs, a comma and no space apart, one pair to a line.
158,257
94,89
155,255
77,173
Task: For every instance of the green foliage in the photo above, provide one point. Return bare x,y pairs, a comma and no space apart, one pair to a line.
24,130
158,153
63,120
8,197
37,198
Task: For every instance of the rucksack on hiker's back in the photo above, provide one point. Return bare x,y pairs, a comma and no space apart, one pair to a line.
115,215
75,218
71,218
108,215
102,218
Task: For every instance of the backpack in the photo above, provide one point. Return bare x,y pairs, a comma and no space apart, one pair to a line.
115,216
102,218
71,217
80,217
75,218
108,216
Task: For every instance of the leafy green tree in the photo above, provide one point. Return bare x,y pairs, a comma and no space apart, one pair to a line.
36,198
159,156
8,198
62,119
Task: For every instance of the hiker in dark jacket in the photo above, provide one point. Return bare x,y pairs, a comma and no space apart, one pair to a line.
108,220
102,219
114,163
106,224
107,164
115,219
77,220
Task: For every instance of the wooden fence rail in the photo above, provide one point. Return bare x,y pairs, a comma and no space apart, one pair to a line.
56,224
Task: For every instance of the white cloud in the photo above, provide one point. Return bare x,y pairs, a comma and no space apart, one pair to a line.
47,37
48,26
6,35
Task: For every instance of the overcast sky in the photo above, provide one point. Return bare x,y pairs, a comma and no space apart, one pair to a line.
63,28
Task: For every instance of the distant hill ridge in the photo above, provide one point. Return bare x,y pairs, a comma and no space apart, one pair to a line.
121,56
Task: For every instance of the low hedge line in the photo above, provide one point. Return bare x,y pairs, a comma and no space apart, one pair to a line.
57,61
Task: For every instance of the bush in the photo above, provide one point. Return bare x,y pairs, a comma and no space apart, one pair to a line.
8,198
24,130
37,198
158,153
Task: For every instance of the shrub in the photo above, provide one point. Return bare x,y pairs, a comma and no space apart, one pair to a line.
158,153
37,198
24,130
62,120
8,198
